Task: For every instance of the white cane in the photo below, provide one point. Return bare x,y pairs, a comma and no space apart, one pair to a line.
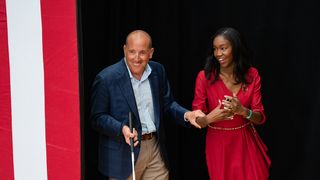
131,147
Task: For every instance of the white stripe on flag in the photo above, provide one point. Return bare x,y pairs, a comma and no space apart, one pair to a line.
27,89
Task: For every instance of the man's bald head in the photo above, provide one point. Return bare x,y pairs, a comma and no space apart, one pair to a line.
139,34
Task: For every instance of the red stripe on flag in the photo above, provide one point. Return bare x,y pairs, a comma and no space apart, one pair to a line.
6,154
61,88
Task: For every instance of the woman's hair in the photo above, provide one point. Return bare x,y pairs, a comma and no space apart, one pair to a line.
240,54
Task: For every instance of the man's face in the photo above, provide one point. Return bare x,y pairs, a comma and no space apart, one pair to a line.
138,53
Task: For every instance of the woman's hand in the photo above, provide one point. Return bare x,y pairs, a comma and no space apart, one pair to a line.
217,114
234,105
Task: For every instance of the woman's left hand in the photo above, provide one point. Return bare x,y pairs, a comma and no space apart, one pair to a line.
234,105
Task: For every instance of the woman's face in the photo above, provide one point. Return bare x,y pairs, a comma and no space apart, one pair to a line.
222,51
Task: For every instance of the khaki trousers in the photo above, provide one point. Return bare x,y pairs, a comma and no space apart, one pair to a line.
149,165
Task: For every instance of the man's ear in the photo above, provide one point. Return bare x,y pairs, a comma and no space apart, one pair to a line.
151,53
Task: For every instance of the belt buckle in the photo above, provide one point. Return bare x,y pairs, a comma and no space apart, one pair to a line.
147,136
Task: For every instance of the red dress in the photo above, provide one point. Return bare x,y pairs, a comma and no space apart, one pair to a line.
234,150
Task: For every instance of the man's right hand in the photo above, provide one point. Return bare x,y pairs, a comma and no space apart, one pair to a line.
127,135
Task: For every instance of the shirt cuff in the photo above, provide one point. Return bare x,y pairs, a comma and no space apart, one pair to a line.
185,118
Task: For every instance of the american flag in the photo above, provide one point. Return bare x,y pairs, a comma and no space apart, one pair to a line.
39,90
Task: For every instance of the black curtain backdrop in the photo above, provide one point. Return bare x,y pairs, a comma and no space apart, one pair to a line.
284,37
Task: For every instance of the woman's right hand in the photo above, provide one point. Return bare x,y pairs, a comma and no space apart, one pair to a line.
219,114
216,115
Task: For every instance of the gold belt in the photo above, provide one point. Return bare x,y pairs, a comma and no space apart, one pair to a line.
230,129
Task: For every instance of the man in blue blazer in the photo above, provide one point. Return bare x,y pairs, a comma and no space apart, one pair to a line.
140,86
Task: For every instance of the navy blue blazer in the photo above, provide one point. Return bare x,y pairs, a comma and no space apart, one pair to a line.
112,98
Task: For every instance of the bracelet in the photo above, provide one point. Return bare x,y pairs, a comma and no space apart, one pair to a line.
250,114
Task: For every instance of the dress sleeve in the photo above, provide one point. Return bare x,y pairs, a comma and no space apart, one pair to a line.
256,103
200,93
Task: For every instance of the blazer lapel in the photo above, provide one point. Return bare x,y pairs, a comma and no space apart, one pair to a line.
154,84
124,84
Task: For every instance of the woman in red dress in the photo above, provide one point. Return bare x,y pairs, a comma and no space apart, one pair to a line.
228,91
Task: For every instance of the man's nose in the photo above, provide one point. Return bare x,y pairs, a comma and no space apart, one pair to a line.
137,55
